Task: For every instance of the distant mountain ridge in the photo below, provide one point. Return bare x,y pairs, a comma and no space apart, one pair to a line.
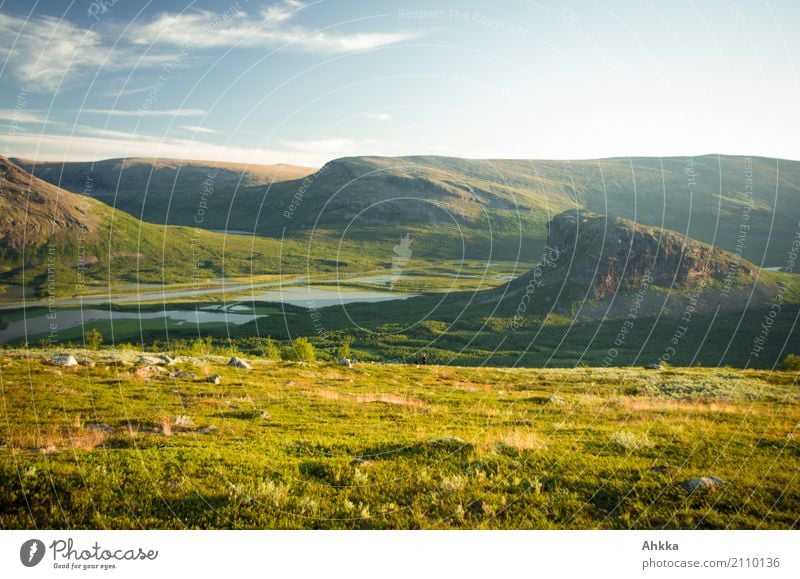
163,191
52,238
709,198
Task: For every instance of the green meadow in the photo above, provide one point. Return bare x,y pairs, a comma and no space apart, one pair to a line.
117,443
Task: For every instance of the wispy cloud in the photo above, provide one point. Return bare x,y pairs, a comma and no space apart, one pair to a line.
22,116
198,129
42,51
126,91
93,144
146,112
268,28
378,116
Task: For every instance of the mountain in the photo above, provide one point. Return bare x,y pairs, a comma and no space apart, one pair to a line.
54,241
597,265
605,291
749,205
164,191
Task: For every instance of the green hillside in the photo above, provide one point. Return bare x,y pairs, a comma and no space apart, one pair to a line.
60,243
749,205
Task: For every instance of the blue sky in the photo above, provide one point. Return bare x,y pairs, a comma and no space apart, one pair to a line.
305,82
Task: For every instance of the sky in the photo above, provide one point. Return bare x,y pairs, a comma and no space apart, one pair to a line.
304,82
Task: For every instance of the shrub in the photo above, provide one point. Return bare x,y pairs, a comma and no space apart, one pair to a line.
792,363
344,349
270,350
305,350
301,349
93,339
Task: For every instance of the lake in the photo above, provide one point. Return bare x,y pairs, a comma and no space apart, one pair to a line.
39,323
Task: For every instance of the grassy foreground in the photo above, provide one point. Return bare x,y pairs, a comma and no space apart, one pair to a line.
291,445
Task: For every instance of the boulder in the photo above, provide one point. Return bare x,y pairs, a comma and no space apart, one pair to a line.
150,360
703,482
239,363
215,379
346,362
64,360
168,360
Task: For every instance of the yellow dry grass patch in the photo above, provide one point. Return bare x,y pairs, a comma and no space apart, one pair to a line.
517,438
682,405
54,438
367,398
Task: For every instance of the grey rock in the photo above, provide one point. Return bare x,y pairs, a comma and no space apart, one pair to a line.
239,363
661,468
703,482
64,360
445,440
215,379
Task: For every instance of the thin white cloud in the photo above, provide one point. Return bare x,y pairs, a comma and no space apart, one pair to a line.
127,91
88,148
333,147
205,29
22,116
87,145
283,11
146,112
41,51
378,116
198,129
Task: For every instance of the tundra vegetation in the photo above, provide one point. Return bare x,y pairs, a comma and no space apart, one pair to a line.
124,441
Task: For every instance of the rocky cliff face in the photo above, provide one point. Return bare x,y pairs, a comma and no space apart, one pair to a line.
608,255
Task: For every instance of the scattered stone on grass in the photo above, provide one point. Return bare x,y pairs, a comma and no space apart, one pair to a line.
703,482
182,421
446,439
215,379
64,360
661,468
239,363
